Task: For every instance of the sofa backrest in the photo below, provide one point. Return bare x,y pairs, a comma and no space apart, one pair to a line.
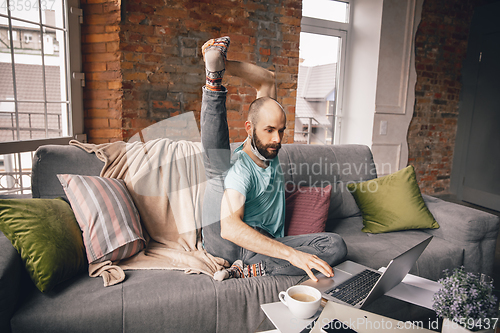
323,165
337,165
303,165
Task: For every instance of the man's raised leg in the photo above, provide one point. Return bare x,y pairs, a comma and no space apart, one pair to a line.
217,153
215,136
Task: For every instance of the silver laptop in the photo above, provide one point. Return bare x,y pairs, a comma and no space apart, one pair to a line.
359,285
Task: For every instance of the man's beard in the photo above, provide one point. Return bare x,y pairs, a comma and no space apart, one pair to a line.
263,148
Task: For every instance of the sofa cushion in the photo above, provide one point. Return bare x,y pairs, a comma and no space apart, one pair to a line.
46,235
392,203
107,216
245,296
306,209
169,301
81,304
147,301
151,301
377,250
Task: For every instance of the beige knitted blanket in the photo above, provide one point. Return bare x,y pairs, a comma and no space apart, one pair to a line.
166,180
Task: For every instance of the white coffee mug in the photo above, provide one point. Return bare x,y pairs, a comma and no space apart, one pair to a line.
302,301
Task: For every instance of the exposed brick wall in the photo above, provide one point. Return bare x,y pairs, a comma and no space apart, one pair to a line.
160,67
441,46
101,65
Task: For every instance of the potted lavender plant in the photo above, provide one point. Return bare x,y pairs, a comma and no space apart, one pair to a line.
466,302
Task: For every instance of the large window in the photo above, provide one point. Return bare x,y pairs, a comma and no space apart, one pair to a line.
40,94
325,24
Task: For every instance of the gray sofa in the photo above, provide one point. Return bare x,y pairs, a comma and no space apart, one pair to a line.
171,301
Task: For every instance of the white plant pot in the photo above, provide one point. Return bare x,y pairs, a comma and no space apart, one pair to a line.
452,327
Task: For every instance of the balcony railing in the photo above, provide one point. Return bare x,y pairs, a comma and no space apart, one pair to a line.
15,169
15,173
52,126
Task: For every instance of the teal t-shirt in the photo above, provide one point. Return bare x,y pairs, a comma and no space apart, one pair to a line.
263,190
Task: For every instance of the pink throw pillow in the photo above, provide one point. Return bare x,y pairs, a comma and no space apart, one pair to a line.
306,209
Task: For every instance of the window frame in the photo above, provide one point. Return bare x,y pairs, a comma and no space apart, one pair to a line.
74,82
340,30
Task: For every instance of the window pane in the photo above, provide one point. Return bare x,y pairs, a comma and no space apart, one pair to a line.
7,121
6,87
28,62
56,82
52,14
25,9
318,49
4,23
326,10
40,92
55,65
7,109
56,120
31,121
316,88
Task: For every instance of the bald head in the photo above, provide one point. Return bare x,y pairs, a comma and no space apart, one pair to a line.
263,103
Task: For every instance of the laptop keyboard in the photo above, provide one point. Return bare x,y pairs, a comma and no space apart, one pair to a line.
356,288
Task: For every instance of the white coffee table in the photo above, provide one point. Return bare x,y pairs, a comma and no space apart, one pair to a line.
412,289
284,320
360,320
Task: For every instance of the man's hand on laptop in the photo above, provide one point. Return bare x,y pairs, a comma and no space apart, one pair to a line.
308,261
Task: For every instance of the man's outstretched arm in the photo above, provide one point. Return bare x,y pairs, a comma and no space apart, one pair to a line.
234,229
259,78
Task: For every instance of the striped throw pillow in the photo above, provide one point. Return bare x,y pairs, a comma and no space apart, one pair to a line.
107,216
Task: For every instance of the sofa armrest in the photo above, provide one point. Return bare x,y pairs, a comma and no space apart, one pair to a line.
473,230
11,268
51,160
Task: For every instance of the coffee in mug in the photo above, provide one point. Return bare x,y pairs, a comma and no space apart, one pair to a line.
303,297
302,301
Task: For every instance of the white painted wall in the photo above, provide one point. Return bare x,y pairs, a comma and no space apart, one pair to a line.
361,72
397,77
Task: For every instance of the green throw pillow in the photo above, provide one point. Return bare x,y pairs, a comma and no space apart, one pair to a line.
392,203
47,236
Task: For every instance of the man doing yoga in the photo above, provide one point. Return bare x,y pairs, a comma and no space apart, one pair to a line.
244,205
